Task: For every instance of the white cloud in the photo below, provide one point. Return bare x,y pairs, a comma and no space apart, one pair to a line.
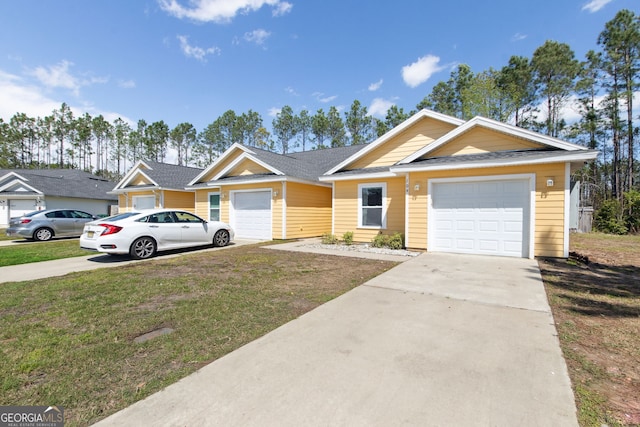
127,84
379,107
258,36
518,36
375,86
273,111
196,52
595,5
420,71
320,97
20,96
291,91
59,76
221,11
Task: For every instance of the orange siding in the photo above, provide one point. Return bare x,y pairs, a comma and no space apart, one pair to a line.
308,210
346,208
479,140
247,167
404,144
179,200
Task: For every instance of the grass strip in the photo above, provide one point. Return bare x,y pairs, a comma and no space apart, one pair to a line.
28,252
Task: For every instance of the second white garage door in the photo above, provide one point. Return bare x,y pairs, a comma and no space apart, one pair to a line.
480,217
250,215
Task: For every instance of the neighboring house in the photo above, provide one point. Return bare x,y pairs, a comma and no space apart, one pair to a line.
150,185
26,190
264,195
478,187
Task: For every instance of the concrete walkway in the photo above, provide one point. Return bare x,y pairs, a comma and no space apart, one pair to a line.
439,340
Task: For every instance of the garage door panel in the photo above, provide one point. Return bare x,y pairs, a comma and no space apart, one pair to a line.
485,217
251,214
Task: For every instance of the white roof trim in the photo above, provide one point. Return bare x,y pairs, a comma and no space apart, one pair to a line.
561,157
219,160
251,180
2,178
395,131
21,182
241,158
364,175
129,175
496,126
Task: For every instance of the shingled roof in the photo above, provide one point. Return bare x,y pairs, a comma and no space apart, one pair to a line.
170,176
58,182
306,165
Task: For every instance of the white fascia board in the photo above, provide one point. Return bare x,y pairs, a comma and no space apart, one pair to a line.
250,180
564,157
19,182
133,172
498,127
332,178
395,131
239,159
14,174
228,152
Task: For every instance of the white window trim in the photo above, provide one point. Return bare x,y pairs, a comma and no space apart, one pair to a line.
214,193
384,205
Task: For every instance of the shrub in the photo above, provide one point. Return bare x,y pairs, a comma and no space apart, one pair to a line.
632,210
347,237
380,241
329,239
608,219
396,241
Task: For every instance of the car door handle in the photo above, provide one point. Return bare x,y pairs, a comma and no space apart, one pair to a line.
153,226
185,226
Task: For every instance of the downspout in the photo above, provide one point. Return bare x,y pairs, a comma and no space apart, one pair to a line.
406,210
284,210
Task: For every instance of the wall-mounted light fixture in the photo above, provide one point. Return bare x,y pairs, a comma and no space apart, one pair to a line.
550,182
222,195
275,194
416,187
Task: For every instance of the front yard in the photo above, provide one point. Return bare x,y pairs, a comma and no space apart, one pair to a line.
595,298
71,341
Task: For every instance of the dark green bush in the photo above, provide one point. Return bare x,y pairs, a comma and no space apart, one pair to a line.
608,219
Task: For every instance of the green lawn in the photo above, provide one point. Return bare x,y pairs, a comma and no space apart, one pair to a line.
28,252
69,340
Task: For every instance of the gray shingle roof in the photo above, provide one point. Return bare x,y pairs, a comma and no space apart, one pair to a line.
307,165
63,183
171,176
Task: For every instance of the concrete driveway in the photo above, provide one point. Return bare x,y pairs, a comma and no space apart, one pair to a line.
440,340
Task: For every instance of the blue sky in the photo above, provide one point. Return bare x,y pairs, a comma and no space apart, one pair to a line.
191,60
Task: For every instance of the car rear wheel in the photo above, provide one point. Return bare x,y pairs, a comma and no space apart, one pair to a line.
221,238
143,248
43,234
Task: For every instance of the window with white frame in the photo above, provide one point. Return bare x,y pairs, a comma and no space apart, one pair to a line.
214,206
371,211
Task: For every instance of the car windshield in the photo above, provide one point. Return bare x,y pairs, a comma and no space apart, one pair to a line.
118,217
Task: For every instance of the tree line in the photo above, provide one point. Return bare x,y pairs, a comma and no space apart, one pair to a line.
534,93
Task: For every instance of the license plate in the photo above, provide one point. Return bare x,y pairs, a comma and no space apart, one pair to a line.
90,234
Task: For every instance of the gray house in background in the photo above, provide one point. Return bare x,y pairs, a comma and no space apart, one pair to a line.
26,190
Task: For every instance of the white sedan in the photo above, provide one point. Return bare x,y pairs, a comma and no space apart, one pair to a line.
142,234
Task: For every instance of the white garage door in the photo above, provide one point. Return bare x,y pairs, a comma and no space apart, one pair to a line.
480,217
20,207
251,214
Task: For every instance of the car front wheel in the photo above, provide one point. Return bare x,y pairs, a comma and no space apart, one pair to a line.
221,238
143,248
43,234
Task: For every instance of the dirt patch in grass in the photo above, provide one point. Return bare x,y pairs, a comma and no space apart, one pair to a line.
595,298
69,341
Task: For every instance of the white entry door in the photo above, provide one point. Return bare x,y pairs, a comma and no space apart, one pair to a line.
250,214
480,217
